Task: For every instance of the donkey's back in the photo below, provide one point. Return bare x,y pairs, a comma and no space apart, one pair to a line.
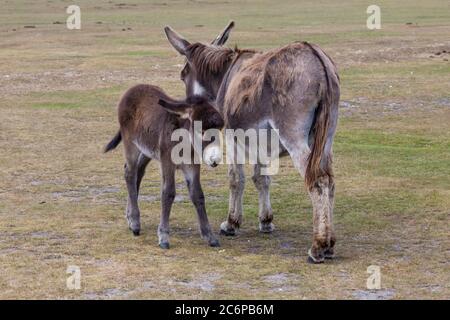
281,76
143,121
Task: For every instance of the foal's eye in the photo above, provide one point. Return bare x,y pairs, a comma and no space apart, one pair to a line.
183,73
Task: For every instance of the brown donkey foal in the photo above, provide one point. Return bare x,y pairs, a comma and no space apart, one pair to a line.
147,118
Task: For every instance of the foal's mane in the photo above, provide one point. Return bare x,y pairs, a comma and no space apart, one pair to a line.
210,59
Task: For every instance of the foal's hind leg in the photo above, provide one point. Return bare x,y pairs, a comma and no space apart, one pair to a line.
142,164
237,183
262,183
132,213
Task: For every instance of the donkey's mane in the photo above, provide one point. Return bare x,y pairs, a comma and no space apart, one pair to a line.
210,59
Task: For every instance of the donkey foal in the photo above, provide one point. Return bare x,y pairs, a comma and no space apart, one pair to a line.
147,118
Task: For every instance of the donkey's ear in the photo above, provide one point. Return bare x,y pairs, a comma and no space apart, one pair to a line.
178,42
179,108
223,36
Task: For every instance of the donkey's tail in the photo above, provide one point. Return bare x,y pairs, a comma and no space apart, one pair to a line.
318,163
114,142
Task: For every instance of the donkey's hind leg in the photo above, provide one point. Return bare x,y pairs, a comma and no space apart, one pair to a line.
132,155
237,183
322,190
262,184
322,198
323,235
329,251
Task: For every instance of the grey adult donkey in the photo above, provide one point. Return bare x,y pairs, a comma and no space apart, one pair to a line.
294,89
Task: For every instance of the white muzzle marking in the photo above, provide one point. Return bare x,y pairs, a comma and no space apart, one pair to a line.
212,155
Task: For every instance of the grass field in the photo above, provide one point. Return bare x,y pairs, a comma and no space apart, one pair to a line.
62,200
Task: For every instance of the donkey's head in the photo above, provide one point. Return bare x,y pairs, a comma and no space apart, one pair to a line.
196,110
205,63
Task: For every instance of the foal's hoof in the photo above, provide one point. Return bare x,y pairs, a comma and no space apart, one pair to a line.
266,227
136,232
164,245
135,227
226,230
214,243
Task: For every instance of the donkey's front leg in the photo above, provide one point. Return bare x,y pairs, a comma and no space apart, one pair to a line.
262,183
167,197
192,176
323,234
237,183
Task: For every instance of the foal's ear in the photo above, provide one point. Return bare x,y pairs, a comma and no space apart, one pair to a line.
223,36
179,108
177,41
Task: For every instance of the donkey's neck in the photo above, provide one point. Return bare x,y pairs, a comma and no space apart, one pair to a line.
230,72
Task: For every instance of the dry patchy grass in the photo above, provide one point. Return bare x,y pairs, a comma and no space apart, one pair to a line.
62,200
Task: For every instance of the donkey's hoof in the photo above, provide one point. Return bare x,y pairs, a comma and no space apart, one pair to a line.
227,230
266,227
214,243
328,254
314,260
164,245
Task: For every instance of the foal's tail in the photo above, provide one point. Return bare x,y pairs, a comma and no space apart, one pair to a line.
114,142
318,165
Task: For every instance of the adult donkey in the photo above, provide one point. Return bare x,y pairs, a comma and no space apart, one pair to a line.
294,89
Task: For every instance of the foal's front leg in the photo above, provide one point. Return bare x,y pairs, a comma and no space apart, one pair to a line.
262,183
192,176
167,198
237,183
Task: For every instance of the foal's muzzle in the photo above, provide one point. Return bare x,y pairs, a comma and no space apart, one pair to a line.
214,164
